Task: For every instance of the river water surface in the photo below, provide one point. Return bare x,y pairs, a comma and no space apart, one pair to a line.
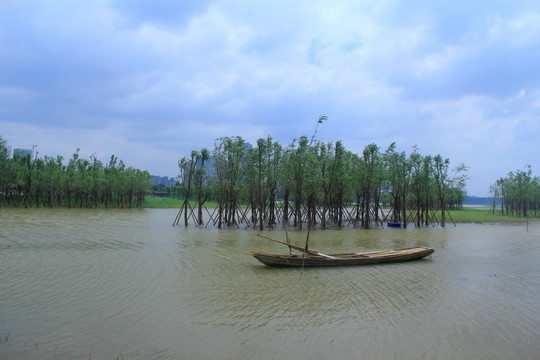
108,284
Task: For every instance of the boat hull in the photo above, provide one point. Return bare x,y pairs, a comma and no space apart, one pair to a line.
346,259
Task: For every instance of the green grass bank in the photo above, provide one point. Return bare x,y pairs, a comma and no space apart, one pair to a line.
482,215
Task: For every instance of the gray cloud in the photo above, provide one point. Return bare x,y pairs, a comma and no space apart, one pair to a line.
150,81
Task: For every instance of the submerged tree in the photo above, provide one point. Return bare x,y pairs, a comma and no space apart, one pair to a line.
187,172
371,187
48,182
323,183
446,181
202,185
229,156
398,176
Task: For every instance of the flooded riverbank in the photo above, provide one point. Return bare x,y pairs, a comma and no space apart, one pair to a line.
101,283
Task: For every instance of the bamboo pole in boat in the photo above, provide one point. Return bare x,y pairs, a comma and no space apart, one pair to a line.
306,248
299,248
289,239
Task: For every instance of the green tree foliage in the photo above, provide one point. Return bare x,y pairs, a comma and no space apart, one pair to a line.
188,166
420,195
229,156
398,178
322,183
193,175
371,184
7,174
88,183
447,182
202,186
262,172
519,193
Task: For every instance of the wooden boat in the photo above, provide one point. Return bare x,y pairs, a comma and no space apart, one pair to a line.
313,258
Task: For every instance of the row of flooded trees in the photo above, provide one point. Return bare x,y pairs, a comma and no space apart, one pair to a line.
49,182
518,193
316,183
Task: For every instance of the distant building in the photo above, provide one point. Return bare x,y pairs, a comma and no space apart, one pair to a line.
163,180
19,153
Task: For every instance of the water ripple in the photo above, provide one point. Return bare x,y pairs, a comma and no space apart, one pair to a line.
96,284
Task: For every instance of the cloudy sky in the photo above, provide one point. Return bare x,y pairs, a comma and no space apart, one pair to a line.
149,81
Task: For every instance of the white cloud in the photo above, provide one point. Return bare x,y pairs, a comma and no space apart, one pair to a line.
520,30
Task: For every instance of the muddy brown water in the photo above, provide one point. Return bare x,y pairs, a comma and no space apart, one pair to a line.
107,284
